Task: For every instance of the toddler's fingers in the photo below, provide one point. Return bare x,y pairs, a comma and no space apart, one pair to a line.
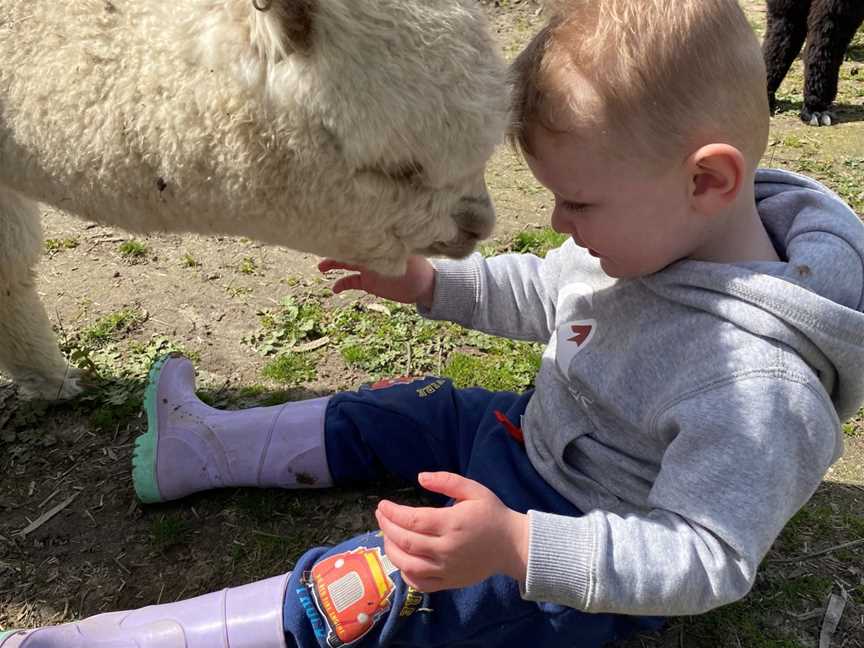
452,485
420,519
332,264
412,543
415,570
351,282
427,586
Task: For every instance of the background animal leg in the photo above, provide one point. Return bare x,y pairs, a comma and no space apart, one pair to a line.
831,27
785,31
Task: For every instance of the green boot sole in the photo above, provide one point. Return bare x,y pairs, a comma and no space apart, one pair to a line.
144,454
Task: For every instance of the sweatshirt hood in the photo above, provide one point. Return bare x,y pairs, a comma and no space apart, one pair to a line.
811,301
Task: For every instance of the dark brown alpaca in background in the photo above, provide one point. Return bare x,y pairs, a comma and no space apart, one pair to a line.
828,26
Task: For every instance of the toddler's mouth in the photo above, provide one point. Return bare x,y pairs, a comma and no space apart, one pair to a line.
582,244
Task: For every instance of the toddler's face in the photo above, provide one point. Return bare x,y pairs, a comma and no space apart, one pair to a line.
634,218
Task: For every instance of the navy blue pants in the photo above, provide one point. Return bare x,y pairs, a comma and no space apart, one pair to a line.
352,594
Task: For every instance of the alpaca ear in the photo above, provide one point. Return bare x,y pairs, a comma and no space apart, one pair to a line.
289,25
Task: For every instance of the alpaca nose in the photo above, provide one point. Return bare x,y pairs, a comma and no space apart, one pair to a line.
475,216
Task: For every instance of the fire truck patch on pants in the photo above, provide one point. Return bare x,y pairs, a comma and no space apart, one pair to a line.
353,591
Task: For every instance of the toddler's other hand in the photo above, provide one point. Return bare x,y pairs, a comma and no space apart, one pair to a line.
458,545
416,286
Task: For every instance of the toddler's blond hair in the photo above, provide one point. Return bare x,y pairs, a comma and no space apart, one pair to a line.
649,77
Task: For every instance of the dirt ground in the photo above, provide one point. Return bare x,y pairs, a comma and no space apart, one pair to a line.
101,550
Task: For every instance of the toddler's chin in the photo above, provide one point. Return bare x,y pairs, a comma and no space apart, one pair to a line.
616,271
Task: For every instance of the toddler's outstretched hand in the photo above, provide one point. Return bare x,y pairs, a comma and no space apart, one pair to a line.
416,286
454,546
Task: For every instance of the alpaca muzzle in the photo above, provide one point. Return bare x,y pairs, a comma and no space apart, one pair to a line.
475,218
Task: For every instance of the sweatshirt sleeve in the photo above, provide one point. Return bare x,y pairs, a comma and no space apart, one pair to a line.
742,458
511,295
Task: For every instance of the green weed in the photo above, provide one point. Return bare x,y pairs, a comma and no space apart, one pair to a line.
536,241
509,369
855,427
132,250
247,266
293,322
113,326
52,245
391,340
290,369
239,291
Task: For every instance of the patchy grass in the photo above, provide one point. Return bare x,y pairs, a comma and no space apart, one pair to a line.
386,339
55,245
247,266
495,373
383,339
494,363
113,326
290,369
855,427
536,241
238,291
189,261
293,322
846,176
529,240
132,250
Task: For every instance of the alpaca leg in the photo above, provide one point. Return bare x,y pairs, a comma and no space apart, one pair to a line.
785,31
831,26
28,348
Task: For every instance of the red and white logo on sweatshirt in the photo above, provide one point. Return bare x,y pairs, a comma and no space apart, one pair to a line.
572,338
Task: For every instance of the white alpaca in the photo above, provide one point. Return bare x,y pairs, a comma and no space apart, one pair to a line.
356,129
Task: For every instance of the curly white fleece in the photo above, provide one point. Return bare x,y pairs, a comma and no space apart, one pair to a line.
361,139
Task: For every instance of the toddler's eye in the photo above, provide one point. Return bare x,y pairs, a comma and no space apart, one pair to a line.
574,206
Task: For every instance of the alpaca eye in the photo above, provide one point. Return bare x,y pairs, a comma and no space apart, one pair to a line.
408,172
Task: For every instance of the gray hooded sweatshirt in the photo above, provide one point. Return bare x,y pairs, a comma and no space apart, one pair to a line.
690,413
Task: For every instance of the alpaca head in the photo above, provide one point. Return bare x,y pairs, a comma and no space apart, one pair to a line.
397,105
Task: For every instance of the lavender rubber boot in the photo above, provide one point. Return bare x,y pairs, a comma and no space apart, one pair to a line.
242,617
190,446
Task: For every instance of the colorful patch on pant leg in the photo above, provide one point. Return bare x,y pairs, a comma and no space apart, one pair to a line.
413,601
308,605
353,590
392,382
512,429
431,388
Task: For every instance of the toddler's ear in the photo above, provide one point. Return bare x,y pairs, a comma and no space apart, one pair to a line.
717,173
